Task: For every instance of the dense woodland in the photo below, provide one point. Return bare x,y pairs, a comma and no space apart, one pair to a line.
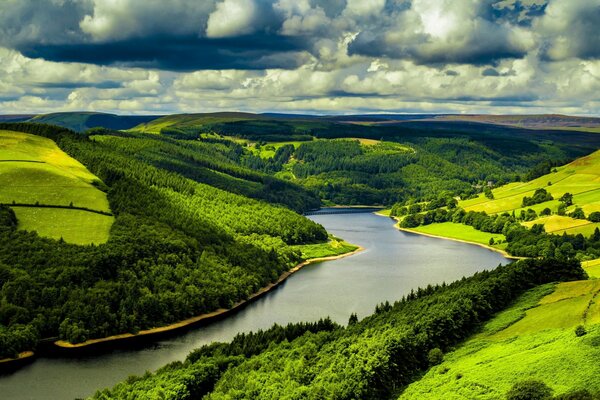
369,359
177,248
458,157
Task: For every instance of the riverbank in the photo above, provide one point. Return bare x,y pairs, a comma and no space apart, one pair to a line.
485,246
190,322
7,364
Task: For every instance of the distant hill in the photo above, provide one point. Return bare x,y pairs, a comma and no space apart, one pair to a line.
81,121
542,121
183,121
16,117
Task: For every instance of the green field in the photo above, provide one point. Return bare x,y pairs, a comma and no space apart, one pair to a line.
592,267
334,247
73,226
533,339
33,170
461,232
268,150
580,178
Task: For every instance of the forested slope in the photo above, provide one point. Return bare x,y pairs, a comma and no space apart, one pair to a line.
445,155
177,248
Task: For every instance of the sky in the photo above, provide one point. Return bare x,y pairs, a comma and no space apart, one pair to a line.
300,56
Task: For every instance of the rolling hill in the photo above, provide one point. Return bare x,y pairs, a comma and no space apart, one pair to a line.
35,174
533,339
581,178
82,121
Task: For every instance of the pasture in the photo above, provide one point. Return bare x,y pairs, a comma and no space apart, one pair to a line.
33,170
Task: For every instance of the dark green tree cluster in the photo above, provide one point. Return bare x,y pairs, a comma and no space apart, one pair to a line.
370,359
539,196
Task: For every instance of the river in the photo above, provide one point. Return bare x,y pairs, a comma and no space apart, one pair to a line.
393,263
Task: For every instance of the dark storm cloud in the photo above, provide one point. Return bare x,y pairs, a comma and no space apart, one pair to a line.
23,22
476,36
180,53
173,35
571,29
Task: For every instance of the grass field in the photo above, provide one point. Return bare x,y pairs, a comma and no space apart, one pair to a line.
461,232
268,150
34,170
74,226
580,178
334,247
592,268
533,339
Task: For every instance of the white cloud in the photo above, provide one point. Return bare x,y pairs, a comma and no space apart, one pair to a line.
231,18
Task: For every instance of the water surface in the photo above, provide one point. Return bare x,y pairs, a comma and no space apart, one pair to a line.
393,263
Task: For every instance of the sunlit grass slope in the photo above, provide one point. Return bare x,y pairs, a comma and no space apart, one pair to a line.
581,178
533,339
461,232
191,120
33,170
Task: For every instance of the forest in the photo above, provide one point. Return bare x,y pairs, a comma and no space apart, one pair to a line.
177,248
369,359
412,160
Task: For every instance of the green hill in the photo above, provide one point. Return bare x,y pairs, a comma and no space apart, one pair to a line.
82,121
581,178
34,171
533,339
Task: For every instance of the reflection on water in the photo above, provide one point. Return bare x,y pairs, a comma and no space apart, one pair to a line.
393,263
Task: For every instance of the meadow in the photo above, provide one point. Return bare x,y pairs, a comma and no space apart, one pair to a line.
33,170
581,178
461,232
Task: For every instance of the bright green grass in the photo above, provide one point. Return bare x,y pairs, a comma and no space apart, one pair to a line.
542,345
74,226
334,247
268,151
461,232
580,178
592,268
54,179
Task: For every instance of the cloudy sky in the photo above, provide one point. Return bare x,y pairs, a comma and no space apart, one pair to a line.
317,56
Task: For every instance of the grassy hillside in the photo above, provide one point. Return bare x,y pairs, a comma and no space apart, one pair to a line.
34,171
81,121
533,339
182,121
581,178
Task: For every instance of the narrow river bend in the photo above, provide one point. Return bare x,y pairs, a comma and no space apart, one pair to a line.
393,263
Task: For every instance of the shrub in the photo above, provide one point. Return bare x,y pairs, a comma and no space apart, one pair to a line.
435,356
577,214
594,217
529,390
580,331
